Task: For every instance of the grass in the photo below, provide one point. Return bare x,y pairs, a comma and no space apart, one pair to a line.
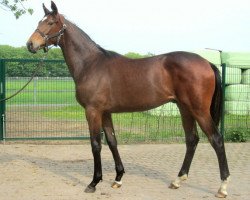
143,127
42,91
130,127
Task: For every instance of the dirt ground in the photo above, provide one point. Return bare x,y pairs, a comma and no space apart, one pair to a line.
61,172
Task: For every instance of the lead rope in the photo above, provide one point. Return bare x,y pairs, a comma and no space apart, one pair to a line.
40,64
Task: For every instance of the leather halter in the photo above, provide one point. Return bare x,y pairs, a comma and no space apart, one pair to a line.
57,35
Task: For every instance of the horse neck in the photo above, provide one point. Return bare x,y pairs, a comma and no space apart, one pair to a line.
78,49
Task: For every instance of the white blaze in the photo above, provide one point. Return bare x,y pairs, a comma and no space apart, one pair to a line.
44,18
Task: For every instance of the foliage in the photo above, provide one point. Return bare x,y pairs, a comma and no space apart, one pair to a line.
133,55
24,69
237,135
16,7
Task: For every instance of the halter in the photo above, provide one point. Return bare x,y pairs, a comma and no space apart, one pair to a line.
58,35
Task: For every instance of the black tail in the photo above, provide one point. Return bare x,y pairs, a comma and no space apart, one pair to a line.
216,106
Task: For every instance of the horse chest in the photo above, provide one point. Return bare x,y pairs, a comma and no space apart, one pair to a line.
92,94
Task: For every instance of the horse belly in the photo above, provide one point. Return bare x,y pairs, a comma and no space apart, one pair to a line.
140,98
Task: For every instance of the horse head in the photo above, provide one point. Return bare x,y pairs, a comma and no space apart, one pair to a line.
49,30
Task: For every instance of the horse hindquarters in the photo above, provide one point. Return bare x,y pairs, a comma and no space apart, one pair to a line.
201,97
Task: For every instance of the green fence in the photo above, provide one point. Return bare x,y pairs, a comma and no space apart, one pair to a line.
47,108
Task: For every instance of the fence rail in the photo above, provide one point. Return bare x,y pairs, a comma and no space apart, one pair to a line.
47,110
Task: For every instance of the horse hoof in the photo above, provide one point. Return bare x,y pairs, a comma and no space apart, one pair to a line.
221,195
116,184
173,186
90,189
177,182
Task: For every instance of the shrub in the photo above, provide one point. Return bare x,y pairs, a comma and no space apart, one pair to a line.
239,135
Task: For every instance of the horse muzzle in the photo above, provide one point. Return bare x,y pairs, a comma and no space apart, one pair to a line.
31,47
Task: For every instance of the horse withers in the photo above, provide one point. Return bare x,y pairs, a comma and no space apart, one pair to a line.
107,83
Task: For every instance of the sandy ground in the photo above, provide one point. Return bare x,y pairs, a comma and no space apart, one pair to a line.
61,172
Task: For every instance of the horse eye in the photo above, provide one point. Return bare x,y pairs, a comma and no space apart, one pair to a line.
50,23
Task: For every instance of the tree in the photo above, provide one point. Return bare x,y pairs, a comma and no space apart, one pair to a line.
16,7
26,69
134,55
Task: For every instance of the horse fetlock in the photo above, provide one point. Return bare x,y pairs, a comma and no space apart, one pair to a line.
177,182
97,179
119,171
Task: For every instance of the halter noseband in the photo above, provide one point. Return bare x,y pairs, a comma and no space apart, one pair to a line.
58,35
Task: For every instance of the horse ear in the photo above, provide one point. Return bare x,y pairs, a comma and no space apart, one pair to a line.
46,11
54,8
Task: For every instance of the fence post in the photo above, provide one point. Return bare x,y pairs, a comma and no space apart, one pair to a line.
35,80
222,125
2,96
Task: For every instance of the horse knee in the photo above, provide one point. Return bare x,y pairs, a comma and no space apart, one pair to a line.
192,141
112,144
217,141
111,140
96,147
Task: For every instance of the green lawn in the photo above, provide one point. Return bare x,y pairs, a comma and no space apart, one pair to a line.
141,126
42,91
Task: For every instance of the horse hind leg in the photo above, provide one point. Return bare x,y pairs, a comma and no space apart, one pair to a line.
192,140
111,140
216,140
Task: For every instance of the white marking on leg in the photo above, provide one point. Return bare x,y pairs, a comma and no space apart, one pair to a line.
178,180
118,182
222,192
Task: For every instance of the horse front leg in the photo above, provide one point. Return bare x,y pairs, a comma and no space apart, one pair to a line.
94,119
111,140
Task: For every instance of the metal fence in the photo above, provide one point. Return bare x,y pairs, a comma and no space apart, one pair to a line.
47,109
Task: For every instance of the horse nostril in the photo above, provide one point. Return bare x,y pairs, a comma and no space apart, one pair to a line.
29,45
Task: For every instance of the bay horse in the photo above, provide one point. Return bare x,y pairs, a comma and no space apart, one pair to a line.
107,83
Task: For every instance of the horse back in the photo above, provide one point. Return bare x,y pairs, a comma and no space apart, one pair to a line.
125,85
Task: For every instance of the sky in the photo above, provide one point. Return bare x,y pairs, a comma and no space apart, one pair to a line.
143,26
